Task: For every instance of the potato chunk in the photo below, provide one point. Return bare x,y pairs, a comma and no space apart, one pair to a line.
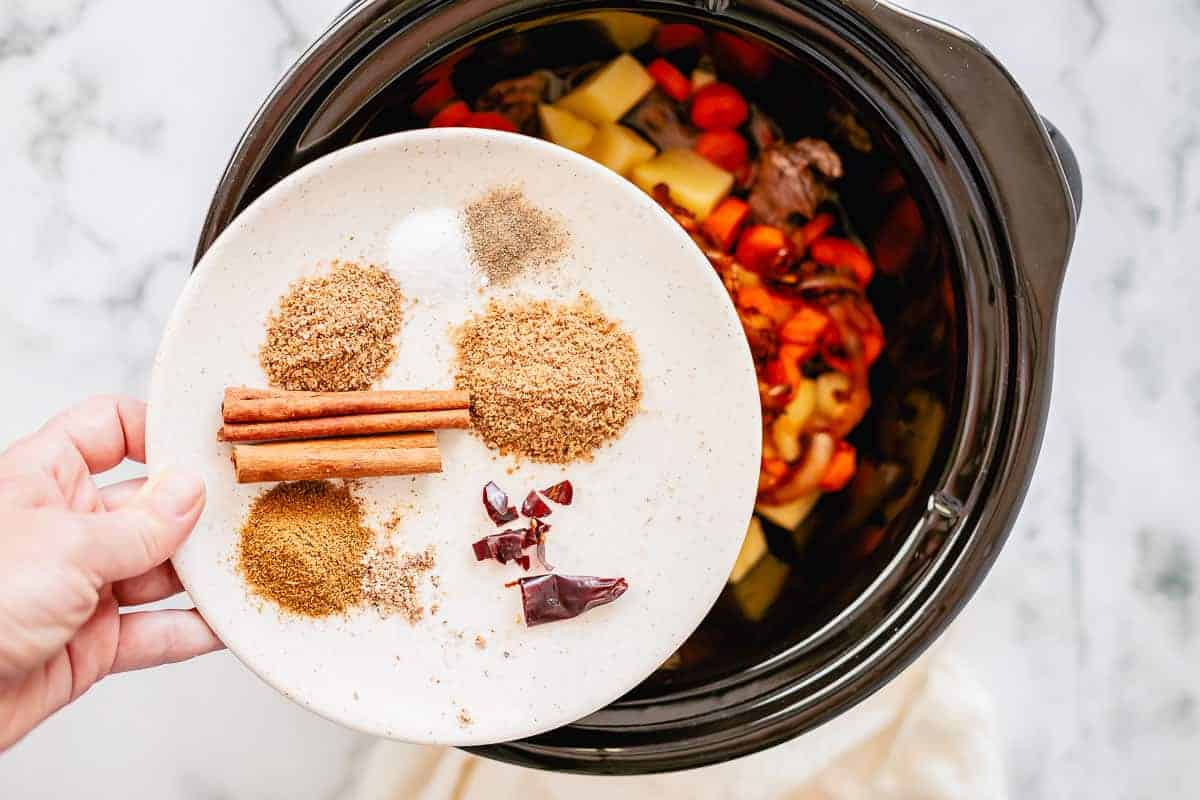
566,129
609,93
618,148
695,182
754,547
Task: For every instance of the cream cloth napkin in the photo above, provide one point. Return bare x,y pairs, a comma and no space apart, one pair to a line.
928,735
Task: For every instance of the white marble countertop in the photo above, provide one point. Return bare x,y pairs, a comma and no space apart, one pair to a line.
117,119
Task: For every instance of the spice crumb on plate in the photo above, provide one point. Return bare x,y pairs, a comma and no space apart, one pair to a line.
391,580
464,718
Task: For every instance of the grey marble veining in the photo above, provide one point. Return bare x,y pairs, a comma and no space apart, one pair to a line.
118,116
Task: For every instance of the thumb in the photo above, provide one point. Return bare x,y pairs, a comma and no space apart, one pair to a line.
147,530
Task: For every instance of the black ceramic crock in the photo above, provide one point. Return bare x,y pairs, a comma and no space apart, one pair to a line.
959,413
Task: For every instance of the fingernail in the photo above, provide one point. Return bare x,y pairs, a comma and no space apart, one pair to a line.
175,493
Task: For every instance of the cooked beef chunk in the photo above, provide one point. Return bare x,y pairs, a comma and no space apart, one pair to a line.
660,119
763,130
792,179
518,98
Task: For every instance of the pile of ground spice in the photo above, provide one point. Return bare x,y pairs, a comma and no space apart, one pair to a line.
391,580
333,332
508,235
302,547
548,381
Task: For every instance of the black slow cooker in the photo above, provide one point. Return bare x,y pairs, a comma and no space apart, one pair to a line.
960,400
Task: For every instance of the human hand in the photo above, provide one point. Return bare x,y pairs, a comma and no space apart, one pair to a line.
72,554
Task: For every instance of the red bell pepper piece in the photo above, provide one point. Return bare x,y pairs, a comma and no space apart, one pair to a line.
741,56
774,373
669,79
455,114
762,248
725,222
677,36
841,468
727,149
804,327
719,106
814,229
432,100
831,251
491,120
872,343
899,236
791,356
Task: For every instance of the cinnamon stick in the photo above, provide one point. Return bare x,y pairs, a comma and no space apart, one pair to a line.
355,425
242,404
363,457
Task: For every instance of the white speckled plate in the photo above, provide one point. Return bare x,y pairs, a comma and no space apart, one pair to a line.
665,505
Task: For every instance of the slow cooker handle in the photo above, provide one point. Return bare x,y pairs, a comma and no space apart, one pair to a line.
1030,171
1070,164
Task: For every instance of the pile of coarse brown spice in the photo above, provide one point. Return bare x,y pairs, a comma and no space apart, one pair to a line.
508,235
333,332
391,580
548,381
302,547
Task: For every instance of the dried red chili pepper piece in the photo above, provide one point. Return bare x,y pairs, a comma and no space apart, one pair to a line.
495,502
549,598
534,506
536,532
504,547
536,535
562,493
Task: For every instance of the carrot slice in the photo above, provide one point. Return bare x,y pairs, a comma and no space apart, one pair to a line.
814,229
761,300
831,251
677,36
804,327
727,149
670,79
457,113
719,106
791,356
726,220
491,120
775,467
762,248
841,468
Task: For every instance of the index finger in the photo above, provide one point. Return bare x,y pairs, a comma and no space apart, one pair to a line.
105,430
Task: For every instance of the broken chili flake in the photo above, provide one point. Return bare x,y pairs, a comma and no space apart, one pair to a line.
495,502
504,547
536,534
562,493
549,598
534,506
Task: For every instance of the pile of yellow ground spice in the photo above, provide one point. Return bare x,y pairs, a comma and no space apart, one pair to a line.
302,547
548,381
333,332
